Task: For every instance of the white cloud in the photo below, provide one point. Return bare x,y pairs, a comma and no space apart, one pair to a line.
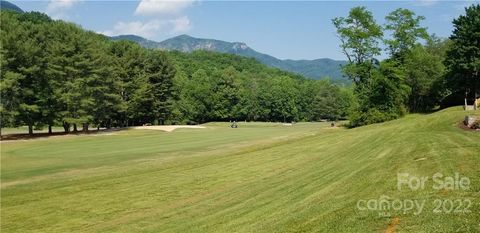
150,28
426,2
55,5
162,7
163,17
57,8
181,25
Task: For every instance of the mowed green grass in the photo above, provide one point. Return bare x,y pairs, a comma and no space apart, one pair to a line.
24,130
261,177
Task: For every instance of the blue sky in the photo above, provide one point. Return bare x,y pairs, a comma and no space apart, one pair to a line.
284,29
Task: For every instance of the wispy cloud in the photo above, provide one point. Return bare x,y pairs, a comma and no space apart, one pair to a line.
165,17
57,9
150,28
426,3
162,7
181,25
458,3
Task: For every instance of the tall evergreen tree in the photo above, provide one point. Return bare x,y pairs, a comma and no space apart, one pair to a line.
23,68
160,74
463,57
128,67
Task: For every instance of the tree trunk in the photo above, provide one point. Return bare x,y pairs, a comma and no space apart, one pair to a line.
66,127
475,103
85,127
30,129
75,128
49,129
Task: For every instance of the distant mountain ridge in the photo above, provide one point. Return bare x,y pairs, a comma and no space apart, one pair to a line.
5,5
315,69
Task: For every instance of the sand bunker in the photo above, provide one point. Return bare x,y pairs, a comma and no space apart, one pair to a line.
170,128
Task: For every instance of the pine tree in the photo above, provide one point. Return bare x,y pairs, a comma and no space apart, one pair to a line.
160,73
463,57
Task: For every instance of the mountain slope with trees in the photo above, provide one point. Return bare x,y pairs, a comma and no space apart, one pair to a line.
315,69
6,5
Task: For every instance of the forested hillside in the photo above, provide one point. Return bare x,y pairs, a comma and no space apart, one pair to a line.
214,86
5,5
323,68
55,73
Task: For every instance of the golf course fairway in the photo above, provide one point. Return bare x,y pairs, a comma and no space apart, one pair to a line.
260,177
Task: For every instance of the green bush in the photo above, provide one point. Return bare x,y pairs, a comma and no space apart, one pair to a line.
371,116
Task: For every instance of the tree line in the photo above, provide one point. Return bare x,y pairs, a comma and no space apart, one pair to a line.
421,73
54,73
219,87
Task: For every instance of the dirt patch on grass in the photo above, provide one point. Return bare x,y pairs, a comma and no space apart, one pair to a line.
169,128
393,225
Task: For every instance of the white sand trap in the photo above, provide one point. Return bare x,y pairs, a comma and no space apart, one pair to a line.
170,128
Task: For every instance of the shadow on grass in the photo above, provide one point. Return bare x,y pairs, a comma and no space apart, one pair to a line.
26,136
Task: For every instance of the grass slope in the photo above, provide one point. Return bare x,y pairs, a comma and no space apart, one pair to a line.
257,178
